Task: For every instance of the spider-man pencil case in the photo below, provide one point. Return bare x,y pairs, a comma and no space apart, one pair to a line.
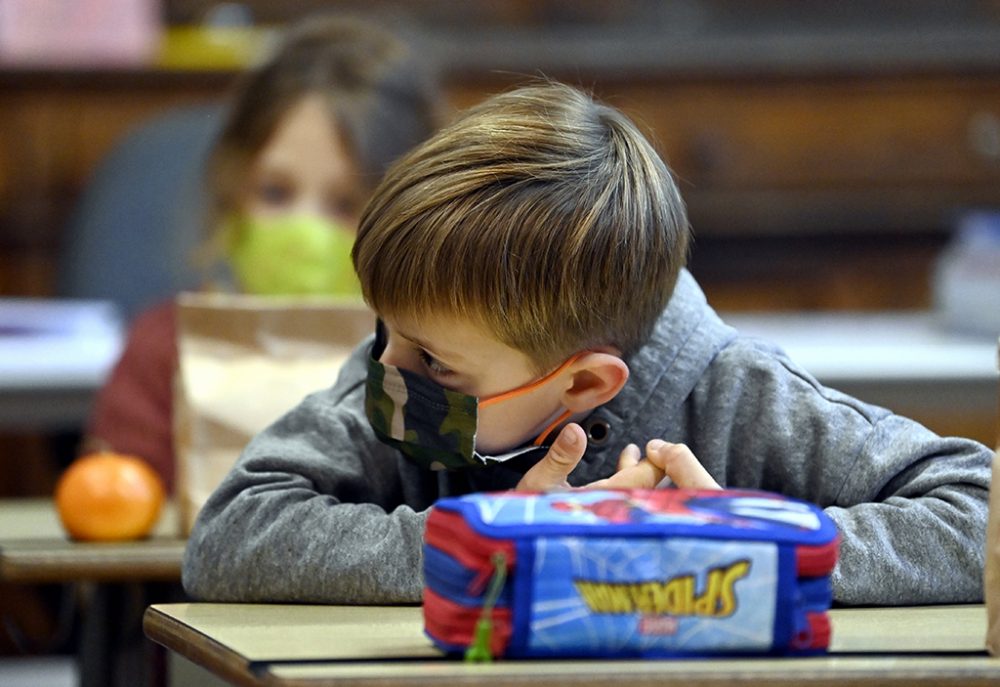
628,573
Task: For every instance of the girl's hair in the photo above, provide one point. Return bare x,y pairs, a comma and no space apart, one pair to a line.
382,99
541,215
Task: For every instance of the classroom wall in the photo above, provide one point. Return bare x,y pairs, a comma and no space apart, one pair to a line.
828,148
824,149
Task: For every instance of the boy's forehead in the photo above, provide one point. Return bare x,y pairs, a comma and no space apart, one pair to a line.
439,334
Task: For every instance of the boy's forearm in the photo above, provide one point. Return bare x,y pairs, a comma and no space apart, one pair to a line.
305,548
311,513
912,551
912,516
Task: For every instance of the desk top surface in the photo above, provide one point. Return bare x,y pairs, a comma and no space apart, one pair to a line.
880,346
34,548
319,645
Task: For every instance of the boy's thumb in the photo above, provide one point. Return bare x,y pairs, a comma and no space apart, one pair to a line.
552,470
566,452
569,444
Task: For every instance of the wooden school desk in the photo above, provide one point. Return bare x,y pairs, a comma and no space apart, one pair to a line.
118,578
357,646
34,549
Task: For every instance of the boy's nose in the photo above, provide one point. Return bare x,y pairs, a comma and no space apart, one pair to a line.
402,357
391,356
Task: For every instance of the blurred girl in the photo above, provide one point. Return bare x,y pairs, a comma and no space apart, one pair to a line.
308,135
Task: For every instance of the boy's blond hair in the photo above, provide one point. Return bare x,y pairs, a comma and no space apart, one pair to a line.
541,215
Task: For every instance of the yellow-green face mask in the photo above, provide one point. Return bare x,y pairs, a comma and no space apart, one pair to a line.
291,256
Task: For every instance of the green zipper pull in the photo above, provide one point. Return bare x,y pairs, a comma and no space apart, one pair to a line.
479,650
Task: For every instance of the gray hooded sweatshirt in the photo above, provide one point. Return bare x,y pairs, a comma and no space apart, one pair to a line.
318,510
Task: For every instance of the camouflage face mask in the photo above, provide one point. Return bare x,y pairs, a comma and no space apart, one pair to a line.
433,426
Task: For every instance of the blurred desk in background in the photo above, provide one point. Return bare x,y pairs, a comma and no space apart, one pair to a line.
35,549
903,361
111,581
54,355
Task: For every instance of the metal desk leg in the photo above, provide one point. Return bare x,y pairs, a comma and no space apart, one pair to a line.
113,650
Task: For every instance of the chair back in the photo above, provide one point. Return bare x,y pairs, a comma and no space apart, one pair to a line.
131,237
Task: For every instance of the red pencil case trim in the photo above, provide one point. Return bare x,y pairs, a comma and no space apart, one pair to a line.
454,624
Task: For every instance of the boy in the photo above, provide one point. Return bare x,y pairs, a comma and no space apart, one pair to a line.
527,267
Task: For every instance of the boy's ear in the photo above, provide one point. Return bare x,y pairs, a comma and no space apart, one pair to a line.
597,378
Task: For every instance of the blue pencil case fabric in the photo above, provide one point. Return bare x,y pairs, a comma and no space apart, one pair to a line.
628,573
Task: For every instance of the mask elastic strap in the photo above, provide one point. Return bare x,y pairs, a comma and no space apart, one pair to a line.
531,386
548,430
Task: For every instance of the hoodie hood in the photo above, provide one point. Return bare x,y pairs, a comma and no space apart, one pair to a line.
686,338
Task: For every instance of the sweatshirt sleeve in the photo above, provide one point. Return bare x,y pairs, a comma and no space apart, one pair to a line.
910,506
315,510
912,516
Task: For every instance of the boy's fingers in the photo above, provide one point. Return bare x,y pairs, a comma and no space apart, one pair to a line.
680,465
630,457
552,471
643,475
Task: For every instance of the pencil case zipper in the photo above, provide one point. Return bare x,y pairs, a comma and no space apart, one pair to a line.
454,625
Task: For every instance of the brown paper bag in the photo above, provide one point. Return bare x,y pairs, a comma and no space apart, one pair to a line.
991,578
243,362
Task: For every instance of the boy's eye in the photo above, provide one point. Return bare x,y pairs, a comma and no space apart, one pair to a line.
433,364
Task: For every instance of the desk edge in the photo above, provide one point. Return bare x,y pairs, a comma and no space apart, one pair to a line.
169,632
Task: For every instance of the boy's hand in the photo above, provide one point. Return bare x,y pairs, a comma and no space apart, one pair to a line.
673,462
551,471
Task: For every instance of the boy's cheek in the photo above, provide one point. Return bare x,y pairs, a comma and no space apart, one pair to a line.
497,432
508,425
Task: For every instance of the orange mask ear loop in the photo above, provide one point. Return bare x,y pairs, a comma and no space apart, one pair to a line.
548,430
531,386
